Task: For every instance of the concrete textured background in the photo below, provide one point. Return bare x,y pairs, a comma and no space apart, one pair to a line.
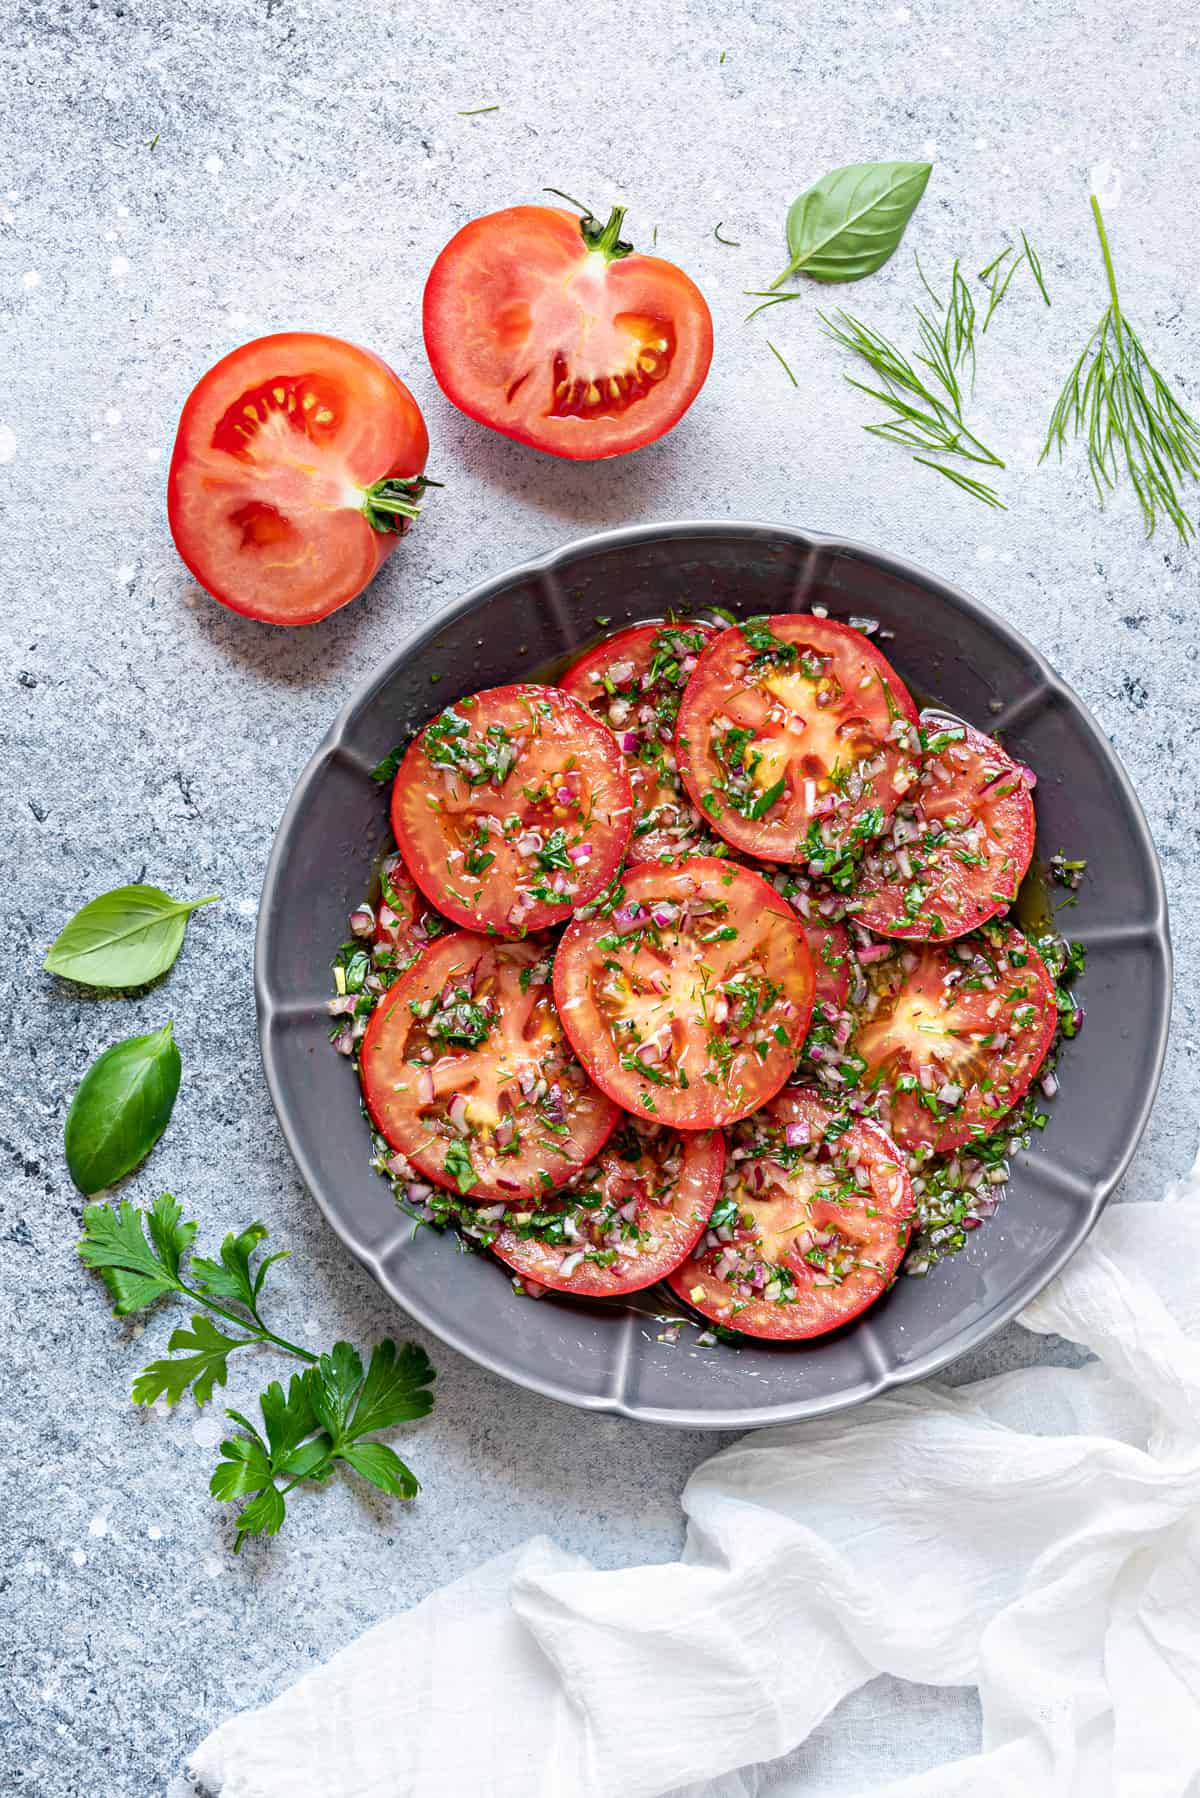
309,161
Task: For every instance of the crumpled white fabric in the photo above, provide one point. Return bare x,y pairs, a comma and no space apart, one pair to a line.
1036,1535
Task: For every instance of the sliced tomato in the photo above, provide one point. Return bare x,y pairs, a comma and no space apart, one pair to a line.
512,808
958,846
626,1220
690,1003
466,1071
296,469
633,682
405,922
811,1226
551,330
829,947
797,739
952,1035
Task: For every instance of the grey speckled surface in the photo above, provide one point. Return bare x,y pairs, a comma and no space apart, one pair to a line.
309,163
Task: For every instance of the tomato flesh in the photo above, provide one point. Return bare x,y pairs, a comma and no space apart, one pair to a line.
512,808
634,682
568,348
465,1070
829,946
277,447
797,739
405,923
690,1002
953,1035
625,1221
958,846
812,1223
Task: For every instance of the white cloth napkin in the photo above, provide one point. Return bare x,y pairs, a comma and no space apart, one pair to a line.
1036,1535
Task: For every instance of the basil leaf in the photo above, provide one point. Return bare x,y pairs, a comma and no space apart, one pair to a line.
122,1106
123,938
851,221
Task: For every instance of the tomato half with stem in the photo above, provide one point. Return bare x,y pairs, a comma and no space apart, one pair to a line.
958,846
633,682
625,1221
297,467
811,1226
511,808
552,330
797,739
952,1035
465,1070
690,1002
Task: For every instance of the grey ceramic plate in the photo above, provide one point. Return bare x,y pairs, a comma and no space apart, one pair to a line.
949,648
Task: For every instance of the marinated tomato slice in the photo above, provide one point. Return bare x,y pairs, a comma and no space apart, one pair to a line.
811,1225
958,846
952,1035
634,682
405,923
466,1071
797,739
626,1220
690,1002
511,808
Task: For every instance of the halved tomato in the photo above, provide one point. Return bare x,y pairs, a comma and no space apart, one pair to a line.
797,739
466,1071
691,1002
405,922
626,1220
296,469
958,845
634,682
549,329
953,1035
511,808
812,1223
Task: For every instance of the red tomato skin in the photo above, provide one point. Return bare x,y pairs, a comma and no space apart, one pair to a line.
718,670
881,902
401,452
414,773
782,1323
703,1165
829,944
499,252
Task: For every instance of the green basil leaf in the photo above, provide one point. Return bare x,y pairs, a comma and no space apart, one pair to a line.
122,1106
851,221
123,938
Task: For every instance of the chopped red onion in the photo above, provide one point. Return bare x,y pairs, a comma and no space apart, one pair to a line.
362,921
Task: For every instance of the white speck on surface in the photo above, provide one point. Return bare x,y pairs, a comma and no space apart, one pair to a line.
247,907
239,318
311,1327
110,237
981,143
902,15
119,265
213,165
1105,182
78,1557
12,194
213,1566
112,416
125,573
154,1533
122,212
207,1432
986,552
929,147
8,443
31,279
96,436
153,453
98,1526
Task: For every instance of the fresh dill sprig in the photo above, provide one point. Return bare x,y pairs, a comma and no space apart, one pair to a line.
925,393
1001,277
731,241
1116,398
782,363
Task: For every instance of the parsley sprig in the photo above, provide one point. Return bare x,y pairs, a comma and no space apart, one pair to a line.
329,1409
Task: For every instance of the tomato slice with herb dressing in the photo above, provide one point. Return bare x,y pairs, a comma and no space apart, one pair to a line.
633,682
511,808
465,1070
690,1002
552,330
625,1221
958,846
797,739
811,1226
404,922
297,467
952,1036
